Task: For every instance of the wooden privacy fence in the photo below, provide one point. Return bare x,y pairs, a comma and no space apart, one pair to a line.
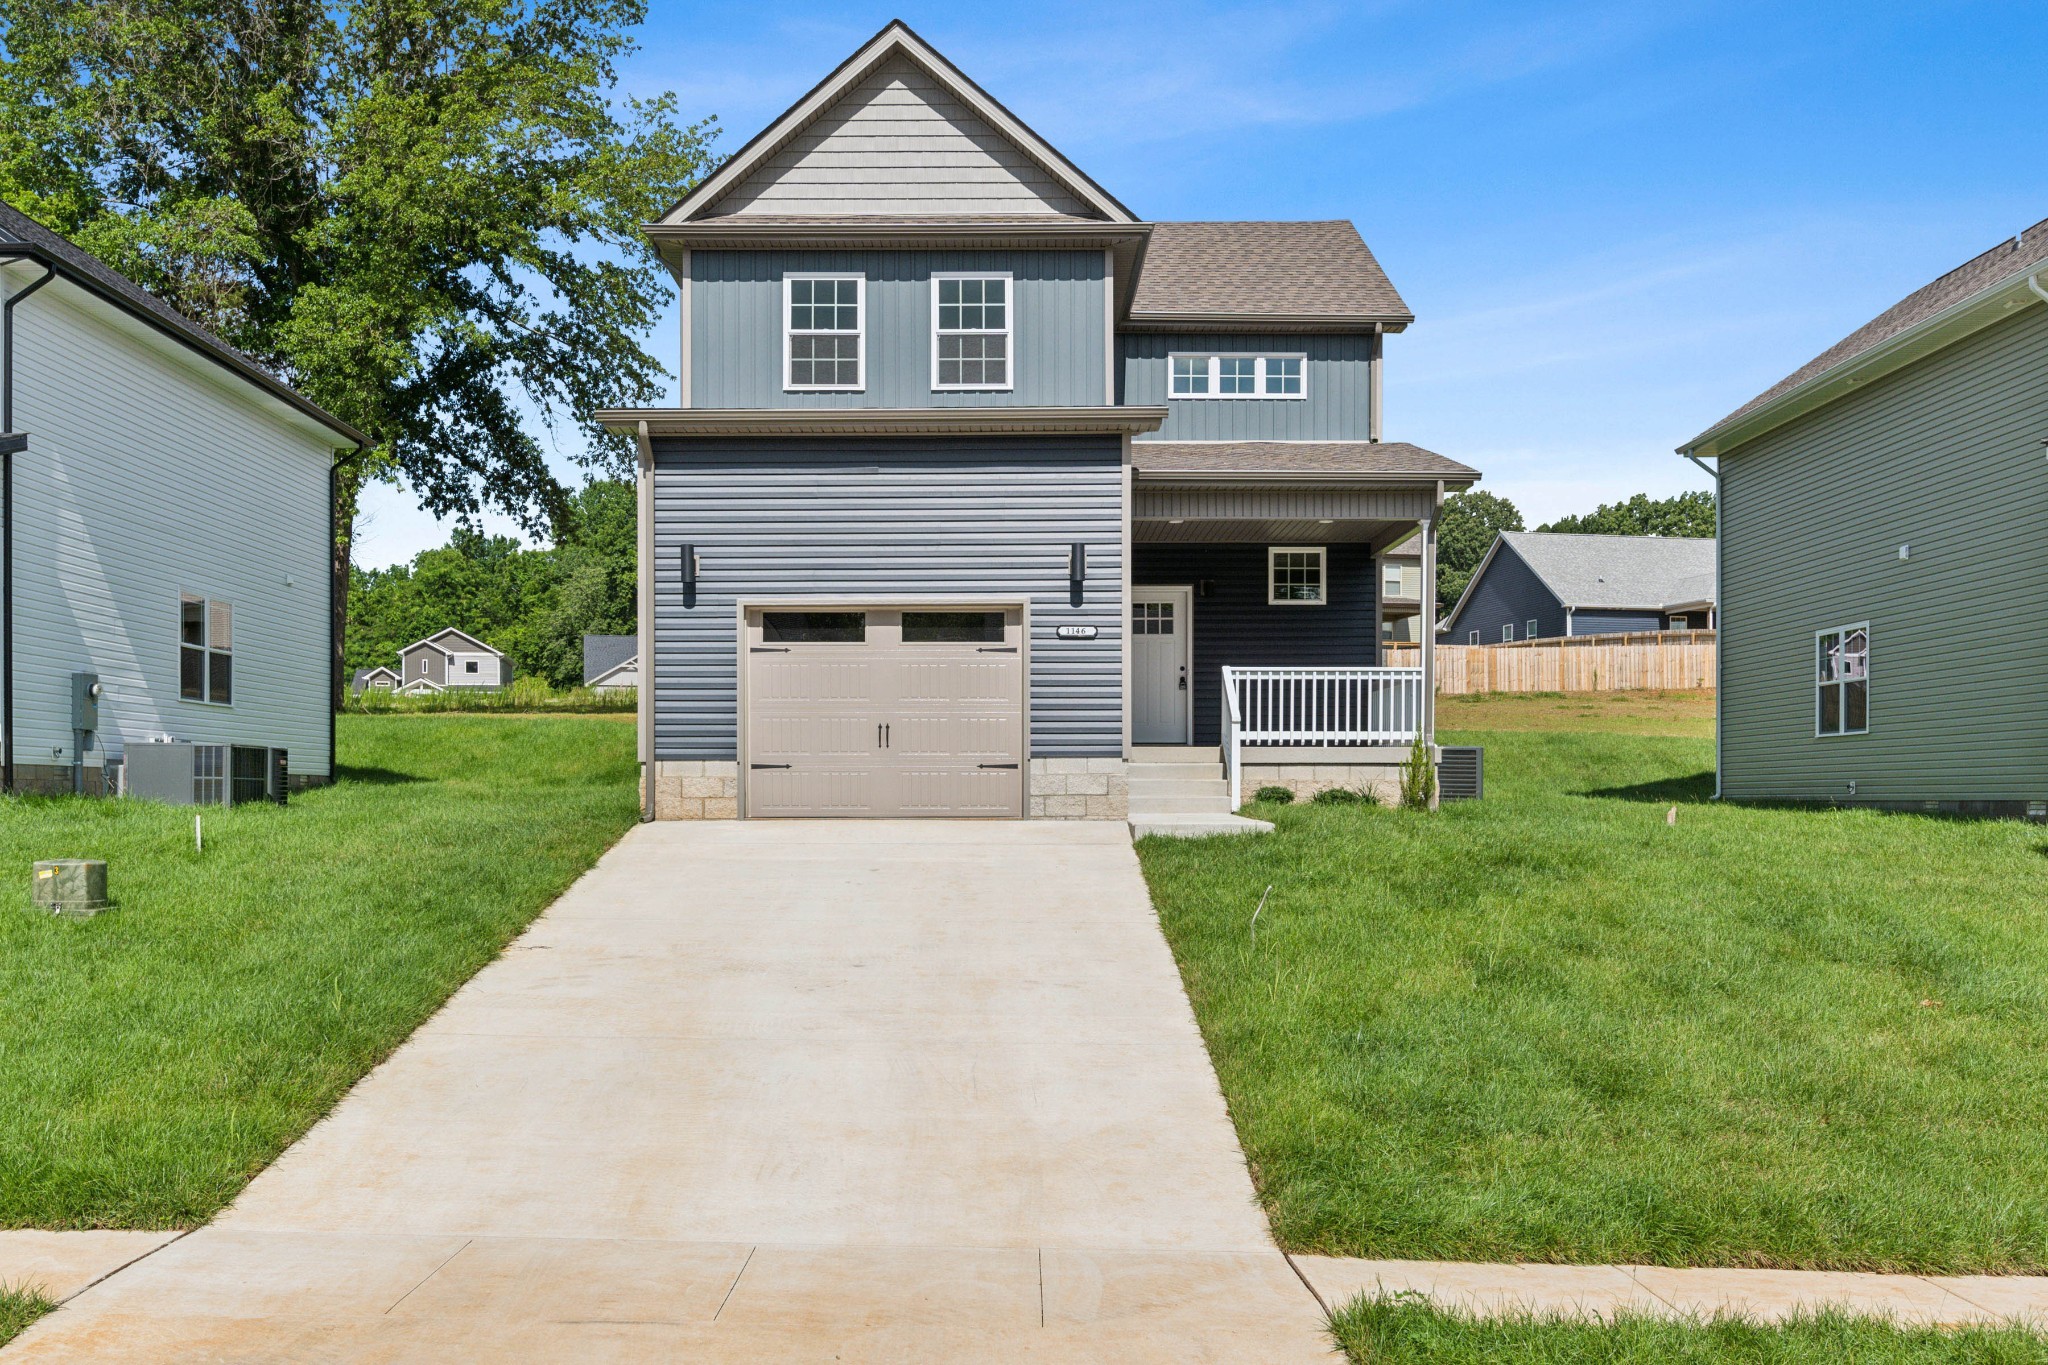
1678,660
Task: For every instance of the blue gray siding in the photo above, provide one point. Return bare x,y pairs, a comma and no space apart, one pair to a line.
1057,335
1235,626
1606,621
893,518
1506,592
1338,405
1943,455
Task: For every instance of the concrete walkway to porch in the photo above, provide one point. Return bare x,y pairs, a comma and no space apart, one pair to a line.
765,1090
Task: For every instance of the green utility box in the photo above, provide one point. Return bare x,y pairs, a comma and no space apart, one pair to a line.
76,887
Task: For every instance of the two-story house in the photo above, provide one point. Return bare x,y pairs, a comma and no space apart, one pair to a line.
986,497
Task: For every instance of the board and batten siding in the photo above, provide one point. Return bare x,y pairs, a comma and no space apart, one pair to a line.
893,518
900,143
1234,625
1056,334
150,473
1944,456
1338,405
1507,592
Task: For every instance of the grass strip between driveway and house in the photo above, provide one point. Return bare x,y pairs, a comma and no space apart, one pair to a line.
1404,1332
155,1058
1551,1026
19,1308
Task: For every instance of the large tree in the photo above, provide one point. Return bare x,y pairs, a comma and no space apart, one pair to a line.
1685,514
1465,533
422,213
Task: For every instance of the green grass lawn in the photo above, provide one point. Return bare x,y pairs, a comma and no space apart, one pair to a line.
19,1308
155,1058
1549,1026
1394,1332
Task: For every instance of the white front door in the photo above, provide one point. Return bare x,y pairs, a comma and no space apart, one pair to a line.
1162,632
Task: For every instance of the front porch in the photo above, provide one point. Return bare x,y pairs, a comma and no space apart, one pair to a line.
1256,612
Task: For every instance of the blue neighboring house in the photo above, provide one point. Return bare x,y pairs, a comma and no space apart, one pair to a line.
1536,585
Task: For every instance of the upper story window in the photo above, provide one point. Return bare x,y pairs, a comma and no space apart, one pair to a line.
1841,704
971,331
1237,376
206,650
824,320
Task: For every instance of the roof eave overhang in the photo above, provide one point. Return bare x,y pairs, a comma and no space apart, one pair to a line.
1018,421
1265,322
737,233
1952,324
1253,478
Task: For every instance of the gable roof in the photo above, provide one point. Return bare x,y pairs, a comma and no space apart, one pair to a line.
1974,295
439,635
23,237
898,90
1304,460
603,653
1613,573
1318,274
365,674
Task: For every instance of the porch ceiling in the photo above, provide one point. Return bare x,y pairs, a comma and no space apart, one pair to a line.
1269,531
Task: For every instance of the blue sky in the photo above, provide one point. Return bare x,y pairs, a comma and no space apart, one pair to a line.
1614,222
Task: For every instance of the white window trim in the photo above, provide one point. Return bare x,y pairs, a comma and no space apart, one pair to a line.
206,605
1216,378
1532,629
860,359
1817,684
1008,332
1473,637
1507,632
1322,554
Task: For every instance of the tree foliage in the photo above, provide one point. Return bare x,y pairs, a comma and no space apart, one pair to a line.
1464,534
535,605
1686,514
423,213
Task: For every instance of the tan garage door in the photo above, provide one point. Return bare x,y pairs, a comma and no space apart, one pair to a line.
884,712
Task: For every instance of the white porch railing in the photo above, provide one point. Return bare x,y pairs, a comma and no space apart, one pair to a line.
1318,706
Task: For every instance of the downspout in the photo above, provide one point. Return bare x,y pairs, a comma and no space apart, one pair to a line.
1720,651
7,527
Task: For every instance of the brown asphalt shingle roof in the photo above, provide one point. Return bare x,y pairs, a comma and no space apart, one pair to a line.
1254,270
1384,459
2015,256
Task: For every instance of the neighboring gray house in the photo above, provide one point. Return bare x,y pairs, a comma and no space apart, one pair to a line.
611,663
451,659
1400,594
1536,585
1884,542
168,511
979,482
382,678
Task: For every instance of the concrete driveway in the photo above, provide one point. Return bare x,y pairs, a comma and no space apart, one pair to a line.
765,1091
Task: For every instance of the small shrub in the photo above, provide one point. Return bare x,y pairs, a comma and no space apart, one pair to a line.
1338,796
1279,796
1418,777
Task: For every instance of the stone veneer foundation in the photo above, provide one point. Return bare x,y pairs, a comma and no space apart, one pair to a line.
1308,771
1061,789
1079,789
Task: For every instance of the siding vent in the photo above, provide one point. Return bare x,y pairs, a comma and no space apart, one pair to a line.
1461,773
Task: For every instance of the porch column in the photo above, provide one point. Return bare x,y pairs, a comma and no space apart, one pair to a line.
1427,648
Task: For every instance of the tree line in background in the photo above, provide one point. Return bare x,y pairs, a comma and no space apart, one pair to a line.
1472,519
534,604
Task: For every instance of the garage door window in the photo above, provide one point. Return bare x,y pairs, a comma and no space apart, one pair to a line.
814,627
952,627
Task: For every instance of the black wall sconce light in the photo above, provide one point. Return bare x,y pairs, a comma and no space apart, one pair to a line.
690,567
1077,571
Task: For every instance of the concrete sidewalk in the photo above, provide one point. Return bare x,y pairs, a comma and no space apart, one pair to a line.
765,1091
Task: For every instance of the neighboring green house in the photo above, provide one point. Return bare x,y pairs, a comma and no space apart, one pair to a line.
1884,543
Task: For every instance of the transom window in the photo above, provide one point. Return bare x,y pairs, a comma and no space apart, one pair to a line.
1237,376
206,645
952,627
814,627
1151,618
824,316
1842,681
1294,575
971,332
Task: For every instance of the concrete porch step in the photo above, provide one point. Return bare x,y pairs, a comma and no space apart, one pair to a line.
1195,826
1213,803
1207,785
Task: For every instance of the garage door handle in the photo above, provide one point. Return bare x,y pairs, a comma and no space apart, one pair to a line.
998,765
997,649
768,649
767,765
